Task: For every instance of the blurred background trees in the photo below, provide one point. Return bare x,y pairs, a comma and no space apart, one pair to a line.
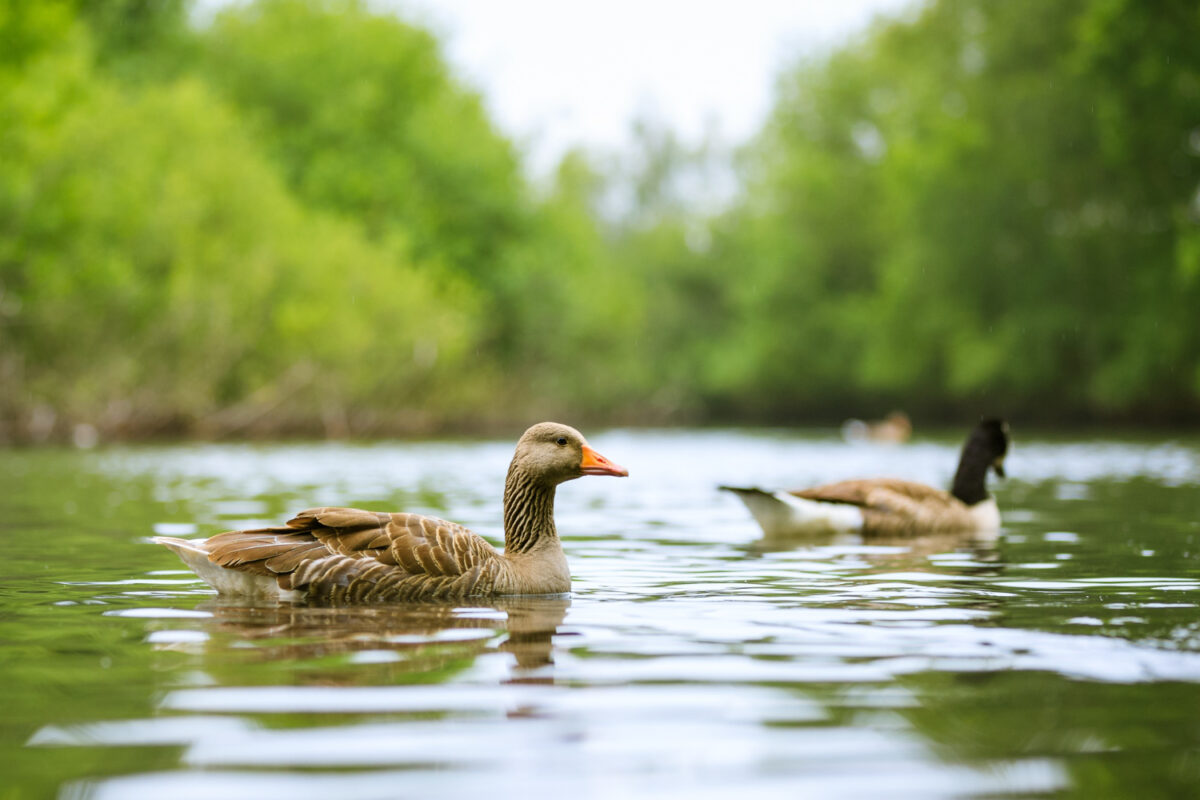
296,219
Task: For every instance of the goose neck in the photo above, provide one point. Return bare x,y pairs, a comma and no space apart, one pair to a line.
528,511
970,480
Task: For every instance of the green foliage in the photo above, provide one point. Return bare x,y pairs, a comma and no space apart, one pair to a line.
364,117
151,254
295,217
986,206
26,28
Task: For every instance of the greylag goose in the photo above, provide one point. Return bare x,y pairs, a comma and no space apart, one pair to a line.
889,506
341,555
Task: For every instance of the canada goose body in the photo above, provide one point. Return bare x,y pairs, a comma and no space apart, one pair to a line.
348,555
889,506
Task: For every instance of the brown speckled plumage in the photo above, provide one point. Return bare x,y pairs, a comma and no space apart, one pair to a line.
346,555
896,507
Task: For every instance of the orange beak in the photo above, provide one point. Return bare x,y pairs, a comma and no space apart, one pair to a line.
595,464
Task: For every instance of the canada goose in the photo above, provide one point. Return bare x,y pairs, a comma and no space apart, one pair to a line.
347,555
889,506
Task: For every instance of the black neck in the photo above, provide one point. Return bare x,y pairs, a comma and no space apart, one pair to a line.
528,511
970,481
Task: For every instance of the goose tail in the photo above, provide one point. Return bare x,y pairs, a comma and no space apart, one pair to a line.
194,553
782,513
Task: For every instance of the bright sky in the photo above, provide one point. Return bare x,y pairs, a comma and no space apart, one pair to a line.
558,73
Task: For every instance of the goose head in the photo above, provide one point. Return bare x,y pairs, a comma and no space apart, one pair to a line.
992,438
556,453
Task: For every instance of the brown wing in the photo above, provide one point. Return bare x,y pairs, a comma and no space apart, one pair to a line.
345,554
896,507
859,492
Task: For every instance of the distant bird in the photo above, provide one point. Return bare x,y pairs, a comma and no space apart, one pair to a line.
895,428
889,506
342,555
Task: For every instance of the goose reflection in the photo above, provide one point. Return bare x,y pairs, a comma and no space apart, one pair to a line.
979,550
352,645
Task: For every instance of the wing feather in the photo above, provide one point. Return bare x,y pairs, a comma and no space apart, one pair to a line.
350,555
890,512
859,492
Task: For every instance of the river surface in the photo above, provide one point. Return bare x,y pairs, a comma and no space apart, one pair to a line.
694,658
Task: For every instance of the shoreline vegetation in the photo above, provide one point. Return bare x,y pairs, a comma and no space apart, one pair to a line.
294,220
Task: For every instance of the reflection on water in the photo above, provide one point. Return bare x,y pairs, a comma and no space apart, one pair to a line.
693,657
964,548
429,634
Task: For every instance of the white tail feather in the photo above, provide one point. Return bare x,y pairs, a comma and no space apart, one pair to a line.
779,513
225,581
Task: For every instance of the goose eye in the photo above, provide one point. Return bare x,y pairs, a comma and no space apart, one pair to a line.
562,440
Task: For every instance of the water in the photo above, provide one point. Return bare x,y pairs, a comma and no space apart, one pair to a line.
693,657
